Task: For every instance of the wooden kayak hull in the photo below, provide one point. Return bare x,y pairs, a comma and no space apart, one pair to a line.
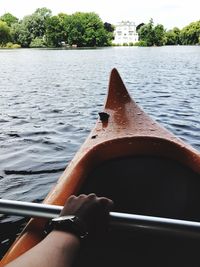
130,158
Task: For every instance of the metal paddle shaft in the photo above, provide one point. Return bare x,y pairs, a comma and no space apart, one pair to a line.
117,220
29,209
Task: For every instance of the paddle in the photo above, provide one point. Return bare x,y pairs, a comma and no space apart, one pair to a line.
117,220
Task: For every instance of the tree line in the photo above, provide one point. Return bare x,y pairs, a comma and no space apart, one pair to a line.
42,29
156,35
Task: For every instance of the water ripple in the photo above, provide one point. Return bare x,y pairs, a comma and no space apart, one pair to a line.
50,103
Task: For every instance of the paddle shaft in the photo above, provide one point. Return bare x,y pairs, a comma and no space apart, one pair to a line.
117,220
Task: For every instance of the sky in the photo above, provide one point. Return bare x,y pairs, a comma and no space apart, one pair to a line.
170,13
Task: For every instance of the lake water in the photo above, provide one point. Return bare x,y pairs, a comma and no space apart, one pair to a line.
50,100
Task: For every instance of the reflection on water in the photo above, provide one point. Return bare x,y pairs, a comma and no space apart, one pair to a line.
50,99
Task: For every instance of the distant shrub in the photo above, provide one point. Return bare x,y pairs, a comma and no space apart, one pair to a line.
11,45
113,44
16,46
38,42
140,43
125,44
131,44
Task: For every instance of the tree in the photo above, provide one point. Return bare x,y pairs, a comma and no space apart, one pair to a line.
81,29
56,30
32,27
139,26
146,33
75,29
36,23
4,33
9,19
109,27
21,34
190,34
43,12
152,35
159,35
87,29
37,42
173,37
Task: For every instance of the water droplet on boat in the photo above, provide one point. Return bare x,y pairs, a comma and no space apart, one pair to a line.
151,129
139,113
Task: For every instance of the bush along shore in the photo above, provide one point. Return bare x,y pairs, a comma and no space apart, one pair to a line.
41,29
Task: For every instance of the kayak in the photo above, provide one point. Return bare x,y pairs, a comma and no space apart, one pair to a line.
145,169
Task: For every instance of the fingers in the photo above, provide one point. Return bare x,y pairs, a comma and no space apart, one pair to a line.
92,210
86,203
92,198
106,202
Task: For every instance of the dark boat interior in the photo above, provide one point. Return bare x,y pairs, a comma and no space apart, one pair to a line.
148,186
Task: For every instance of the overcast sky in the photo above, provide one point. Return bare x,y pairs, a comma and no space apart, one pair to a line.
170,13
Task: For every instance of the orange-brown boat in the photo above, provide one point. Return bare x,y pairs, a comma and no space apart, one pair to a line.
146,170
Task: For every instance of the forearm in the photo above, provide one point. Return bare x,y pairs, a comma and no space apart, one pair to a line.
57,249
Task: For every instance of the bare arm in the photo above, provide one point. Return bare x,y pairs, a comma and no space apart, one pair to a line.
59,248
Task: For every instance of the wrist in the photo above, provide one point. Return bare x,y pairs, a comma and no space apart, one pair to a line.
69,224
63,239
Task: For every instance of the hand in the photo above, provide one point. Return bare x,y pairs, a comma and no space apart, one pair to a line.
93,211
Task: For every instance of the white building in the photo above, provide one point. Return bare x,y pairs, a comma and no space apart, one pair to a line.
125,33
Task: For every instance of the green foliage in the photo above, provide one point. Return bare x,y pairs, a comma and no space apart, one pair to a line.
11,45
36,23
140,43
139,26
190,34
56,31
16,46
87,29
4,33
151,35
43,13
31,27
20,34
159,35
15,30
173,37
109,27
9,19
146,33
80,29
156,35
38,42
